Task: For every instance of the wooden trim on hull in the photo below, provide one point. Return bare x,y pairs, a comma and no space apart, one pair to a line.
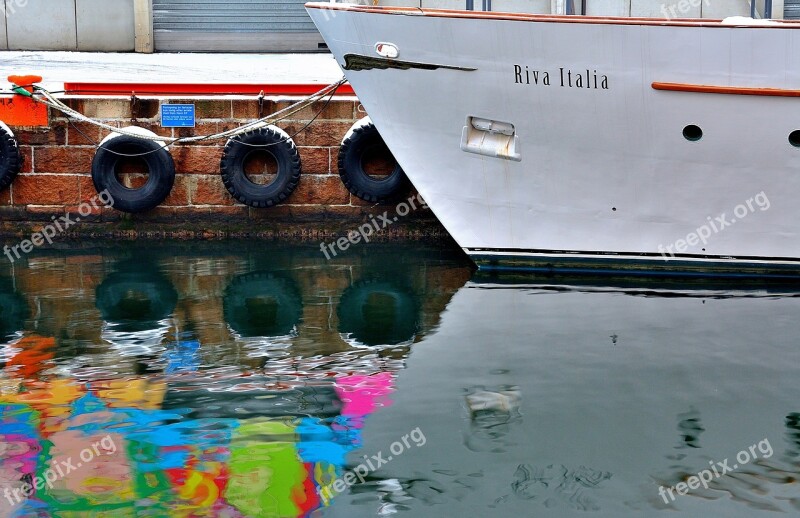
648,265
547,18
725,90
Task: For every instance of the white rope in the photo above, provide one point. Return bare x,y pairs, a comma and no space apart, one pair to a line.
49,100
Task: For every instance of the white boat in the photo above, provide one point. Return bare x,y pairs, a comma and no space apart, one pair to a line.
653,145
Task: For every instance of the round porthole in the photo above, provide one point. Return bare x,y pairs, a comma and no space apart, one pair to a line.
692,133
794,138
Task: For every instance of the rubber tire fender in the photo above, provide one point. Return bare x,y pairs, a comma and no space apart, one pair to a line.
362,139
160,169
277,143
10,161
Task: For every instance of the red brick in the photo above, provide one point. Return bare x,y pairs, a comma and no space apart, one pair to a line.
202,128
5,196
214,213
88,190
106,108
315,160
83,134
320,133
39,189
146,108
155,127
336,110
179,196
56,135
196,159
210,190
248,109
322,190
85,209
62,159
26,154
160,213
213,109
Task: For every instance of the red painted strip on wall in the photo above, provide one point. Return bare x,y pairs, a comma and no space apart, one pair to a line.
727,90
197,89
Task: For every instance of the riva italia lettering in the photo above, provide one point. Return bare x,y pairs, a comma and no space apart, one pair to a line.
565,78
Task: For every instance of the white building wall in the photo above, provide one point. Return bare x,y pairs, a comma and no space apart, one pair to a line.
3,36
41,25
97,25
106,25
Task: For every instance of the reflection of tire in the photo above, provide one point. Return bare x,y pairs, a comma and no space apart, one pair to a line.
13,312
135,300
378,313
9,156
262,305
361,141
160,173
271,140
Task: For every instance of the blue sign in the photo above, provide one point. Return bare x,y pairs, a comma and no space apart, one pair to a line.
177,116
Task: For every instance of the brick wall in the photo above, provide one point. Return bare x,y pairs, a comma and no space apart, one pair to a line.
56,173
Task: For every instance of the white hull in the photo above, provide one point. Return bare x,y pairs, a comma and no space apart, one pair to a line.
604,172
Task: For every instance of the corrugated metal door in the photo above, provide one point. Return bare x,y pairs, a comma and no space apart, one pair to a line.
234,25
791,9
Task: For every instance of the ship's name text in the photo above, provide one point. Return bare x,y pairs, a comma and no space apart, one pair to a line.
565,78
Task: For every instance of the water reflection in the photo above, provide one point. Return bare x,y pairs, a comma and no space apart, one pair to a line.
229,383
136,302
586,395
246,380
13,311
378,313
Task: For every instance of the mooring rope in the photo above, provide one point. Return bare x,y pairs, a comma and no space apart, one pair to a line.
48,98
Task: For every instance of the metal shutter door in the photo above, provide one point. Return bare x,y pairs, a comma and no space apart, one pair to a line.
791,9
230,26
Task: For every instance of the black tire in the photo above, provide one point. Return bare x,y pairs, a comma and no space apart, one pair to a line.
234,158
10,160
262,305
378,313
366,139
160,169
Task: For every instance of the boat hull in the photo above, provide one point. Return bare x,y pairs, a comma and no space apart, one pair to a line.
604,169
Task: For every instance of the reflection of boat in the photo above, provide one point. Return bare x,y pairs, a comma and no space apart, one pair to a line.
587,142
575,387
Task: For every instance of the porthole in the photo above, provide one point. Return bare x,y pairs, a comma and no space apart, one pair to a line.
794,138
692,133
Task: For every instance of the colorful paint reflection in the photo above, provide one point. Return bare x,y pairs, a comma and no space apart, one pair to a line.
165,464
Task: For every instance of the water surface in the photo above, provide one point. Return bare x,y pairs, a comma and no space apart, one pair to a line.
224,379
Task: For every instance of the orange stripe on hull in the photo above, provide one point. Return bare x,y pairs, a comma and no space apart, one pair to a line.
725,90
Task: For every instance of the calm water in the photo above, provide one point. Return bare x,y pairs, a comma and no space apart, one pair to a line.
219,379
